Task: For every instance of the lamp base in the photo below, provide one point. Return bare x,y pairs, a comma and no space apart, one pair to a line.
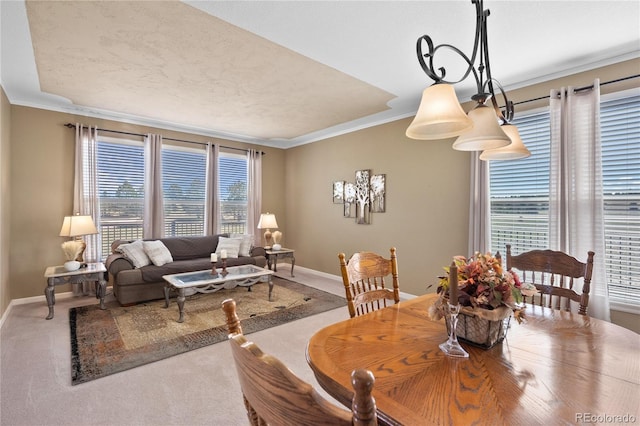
276,247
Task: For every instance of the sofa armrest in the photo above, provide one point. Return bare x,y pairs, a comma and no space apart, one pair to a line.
258,251
117,262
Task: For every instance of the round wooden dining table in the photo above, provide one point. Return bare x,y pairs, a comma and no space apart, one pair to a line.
555,368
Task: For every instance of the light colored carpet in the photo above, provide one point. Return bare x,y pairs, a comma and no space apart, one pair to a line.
195,388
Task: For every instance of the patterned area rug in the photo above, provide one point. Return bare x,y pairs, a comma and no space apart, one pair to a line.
108,341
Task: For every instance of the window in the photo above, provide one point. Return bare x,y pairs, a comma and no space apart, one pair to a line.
233,177
520,191
620,133
519,194
121,190
184,185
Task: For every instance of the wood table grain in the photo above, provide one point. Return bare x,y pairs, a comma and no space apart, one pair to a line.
557,368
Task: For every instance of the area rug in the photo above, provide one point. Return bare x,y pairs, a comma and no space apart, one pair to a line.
105,342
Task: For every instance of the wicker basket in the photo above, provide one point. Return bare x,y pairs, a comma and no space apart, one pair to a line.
474,328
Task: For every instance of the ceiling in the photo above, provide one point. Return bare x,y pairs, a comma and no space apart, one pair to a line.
284,73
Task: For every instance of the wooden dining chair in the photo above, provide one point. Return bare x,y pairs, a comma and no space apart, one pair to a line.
553,274
274,395
363,276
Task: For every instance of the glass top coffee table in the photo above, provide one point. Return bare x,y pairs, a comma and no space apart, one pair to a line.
210,281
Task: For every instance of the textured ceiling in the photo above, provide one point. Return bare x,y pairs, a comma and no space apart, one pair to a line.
283,73
173,62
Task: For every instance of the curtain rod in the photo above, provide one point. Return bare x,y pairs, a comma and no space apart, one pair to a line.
71,125
579,89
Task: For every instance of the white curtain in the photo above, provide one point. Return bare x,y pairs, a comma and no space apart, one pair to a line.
85,194
254,194
212,211
576,223
153,220
479,206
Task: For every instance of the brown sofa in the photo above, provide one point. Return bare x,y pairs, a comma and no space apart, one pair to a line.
133,285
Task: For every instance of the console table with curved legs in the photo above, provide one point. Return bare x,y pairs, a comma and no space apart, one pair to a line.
58,275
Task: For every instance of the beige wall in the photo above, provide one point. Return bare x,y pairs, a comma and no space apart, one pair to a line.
42,157
427,202
5,137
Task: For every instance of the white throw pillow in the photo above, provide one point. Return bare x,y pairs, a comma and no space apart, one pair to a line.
158,252
245,245
135,253
231,245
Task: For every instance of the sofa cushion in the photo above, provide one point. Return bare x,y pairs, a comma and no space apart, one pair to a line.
231,245
157,252
184,248
135,253
245,245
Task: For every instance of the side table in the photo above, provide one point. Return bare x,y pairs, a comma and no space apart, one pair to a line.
283,253
57,275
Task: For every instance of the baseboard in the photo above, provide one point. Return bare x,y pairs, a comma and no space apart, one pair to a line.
32,299
338,278
37,299
318,273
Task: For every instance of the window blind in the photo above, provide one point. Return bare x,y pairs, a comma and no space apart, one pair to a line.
121,191
620,134
183,186
519,191
233,177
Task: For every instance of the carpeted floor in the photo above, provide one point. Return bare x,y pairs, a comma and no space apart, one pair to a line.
119,338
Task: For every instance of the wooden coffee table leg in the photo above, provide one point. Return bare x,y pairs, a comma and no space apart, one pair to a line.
181,304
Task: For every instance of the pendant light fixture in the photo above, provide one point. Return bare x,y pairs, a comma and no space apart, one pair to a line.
441,116
513,151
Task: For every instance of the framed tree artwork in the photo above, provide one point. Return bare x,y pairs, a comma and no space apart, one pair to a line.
338,192
349,198
362,196
368,194
377,185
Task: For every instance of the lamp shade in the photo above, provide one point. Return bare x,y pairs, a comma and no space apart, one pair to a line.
267,221
513,151
485,134
73,226
439,116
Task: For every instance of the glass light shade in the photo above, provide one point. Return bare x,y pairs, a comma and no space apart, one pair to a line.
439,116
513,151
74,226
485,134
267,221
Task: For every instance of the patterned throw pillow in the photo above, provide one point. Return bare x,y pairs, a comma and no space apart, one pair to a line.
245,245
157,252
231,245
135,253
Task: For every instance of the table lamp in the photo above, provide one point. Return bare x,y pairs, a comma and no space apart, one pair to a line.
267,221
76,226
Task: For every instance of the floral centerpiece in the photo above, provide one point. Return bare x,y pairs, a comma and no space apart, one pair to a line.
486,292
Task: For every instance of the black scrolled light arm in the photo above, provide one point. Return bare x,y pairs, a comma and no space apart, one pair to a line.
428,67
485,89
506,114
